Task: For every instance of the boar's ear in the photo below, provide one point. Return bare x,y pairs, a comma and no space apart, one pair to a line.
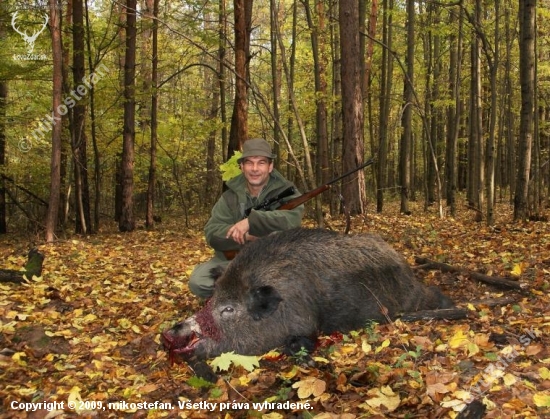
263,301
216,272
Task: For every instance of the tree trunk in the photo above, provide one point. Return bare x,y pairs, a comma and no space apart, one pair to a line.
475,144
66,187
490,146
55,165
406,137
509,172
211,80
149,216
222,36
454,115
526,123
145,54
97,168
275,78
239,120
127,222
385,94
317,29
336,120
79,140
3,102
291,67
353,190
308,178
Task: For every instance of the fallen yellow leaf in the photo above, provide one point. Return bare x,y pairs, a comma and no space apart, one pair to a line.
541,399
311,386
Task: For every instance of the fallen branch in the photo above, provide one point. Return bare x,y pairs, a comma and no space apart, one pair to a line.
495,302
33,267
492,280
441,314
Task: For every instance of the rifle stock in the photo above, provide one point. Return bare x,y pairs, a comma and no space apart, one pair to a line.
230,254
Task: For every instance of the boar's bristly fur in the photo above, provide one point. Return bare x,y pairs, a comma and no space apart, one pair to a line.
304,282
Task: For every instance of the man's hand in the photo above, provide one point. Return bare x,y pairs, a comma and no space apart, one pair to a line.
238,231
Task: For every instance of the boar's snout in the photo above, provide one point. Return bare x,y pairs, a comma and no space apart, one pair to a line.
181,339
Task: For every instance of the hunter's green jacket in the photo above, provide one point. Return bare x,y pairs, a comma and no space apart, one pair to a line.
231,207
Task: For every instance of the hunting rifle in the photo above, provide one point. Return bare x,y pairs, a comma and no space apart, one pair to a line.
293,203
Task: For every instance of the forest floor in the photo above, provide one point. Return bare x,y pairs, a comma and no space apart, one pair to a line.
86,333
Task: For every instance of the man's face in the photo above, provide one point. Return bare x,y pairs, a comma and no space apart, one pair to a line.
256,170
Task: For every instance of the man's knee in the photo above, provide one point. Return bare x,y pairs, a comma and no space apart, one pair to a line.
201,282
200,289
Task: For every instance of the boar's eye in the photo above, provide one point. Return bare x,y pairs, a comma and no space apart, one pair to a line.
263,301
227,311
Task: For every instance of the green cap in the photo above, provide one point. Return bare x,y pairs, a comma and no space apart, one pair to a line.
256,147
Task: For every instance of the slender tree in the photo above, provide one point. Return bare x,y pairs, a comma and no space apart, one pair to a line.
367,80
353,190
454,111
149,216
475,141
78,127
490,152
57,79
127,222
243,29
275,77
222,48
405,148
93,125
3,100
317,30
386,70
526,123
3,106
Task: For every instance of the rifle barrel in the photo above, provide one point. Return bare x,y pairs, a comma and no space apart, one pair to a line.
367,163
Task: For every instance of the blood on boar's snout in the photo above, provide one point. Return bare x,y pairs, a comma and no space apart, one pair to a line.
302,282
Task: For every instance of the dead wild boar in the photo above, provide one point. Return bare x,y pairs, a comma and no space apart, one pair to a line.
299,284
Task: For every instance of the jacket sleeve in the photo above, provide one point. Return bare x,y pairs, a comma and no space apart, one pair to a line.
217,226
263,223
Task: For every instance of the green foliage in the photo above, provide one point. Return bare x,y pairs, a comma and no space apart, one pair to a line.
284,393
198,382
231,168
372,333
301,355
491,356
215,392
409,354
